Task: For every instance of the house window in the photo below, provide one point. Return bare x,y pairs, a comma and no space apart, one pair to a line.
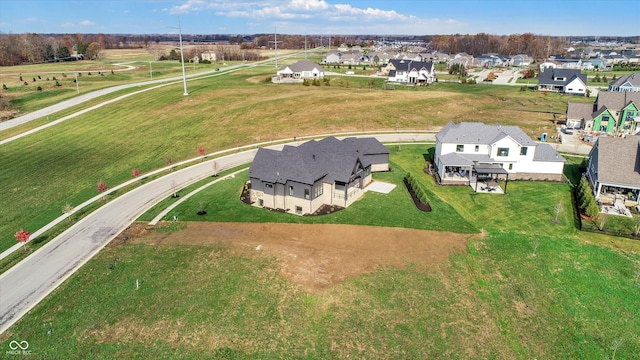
523,150
298,209
260,202
477,148
317,191
268,186
503,151
510,166
306,194
367,171
459,148
290,190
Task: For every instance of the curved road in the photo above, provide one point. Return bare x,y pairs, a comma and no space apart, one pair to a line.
28,282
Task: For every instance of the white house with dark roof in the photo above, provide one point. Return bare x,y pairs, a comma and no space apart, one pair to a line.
567,81
299,180
410,72
628,83
299,71
613,171
471,152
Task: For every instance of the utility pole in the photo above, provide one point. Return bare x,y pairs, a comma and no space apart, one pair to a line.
184,74
275,41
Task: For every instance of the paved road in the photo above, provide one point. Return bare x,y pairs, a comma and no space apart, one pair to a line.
29,281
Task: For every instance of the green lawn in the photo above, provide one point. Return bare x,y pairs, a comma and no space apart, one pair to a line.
498,300
396,209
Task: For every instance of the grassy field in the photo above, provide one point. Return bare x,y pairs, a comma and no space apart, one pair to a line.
142,131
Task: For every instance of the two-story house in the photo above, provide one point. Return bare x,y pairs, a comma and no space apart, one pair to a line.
299,180
613,172
410,72
612,113
468,152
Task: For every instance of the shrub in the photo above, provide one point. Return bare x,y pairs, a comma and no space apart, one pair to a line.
33,79
26,83
21,78
4,87
39,88
305,82
57,83
89,73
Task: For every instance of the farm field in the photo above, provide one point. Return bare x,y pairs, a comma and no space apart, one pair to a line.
498,279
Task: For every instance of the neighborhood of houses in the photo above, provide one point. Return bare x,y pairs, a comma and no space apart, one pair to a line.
331,172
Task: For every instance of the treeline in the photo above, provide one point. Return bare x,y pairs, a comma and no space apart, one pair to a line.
539,46
16,49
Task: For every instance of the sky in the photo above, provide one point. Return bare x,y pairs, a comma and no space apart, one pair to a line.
389,17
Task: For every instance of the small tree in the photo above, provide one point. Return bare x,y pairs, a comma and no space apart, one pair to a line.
636,226
168,160
200,150
535,244
67,209
558,210
135,172
23,236
215,168
603,221
102,187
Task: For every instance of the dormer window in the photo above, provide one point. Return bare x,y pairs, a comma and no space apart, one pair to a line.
560,79
459,148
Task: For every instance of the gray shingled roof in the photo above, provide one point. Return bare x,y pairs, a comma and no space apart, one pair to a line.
479,133
329,159
408,65
547,76
618,161
304,65
579,111
615,100
546,152
633,79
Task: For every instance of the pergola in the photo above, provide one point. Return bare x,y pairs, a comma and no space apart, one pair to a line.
491,169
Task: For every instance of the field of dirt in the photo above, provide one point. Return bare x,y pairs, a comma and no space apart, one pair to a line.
315,256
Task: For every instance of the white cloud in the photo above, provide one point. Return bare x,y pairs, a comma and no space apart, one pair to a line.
86,23
68,24
320,16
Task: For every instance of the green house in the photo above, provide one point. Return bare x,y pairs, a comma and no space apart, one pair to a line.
613,113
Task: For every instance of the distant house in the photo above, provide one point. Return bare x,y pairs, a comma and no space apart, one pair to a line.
492,60
567,81
299,71
469,153
299,180
613,171
208,55
410,72
611,113
630,83
550,64
521,60
332,58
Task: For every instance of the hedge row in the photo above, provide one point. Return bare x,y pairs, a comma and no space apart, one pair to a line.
586,200
417,189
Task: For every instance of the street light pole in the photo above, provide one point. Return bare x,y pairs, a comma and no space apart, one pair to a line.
184,74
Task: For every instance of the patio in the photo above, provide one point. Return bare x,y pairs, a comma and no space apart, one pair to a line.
617,208
487,187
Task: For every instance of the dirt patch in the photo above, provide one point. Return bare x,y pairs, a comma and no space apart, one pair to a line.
315,256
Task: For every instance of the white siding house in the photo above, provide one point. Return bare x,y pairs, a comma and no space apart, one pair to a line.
501,151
